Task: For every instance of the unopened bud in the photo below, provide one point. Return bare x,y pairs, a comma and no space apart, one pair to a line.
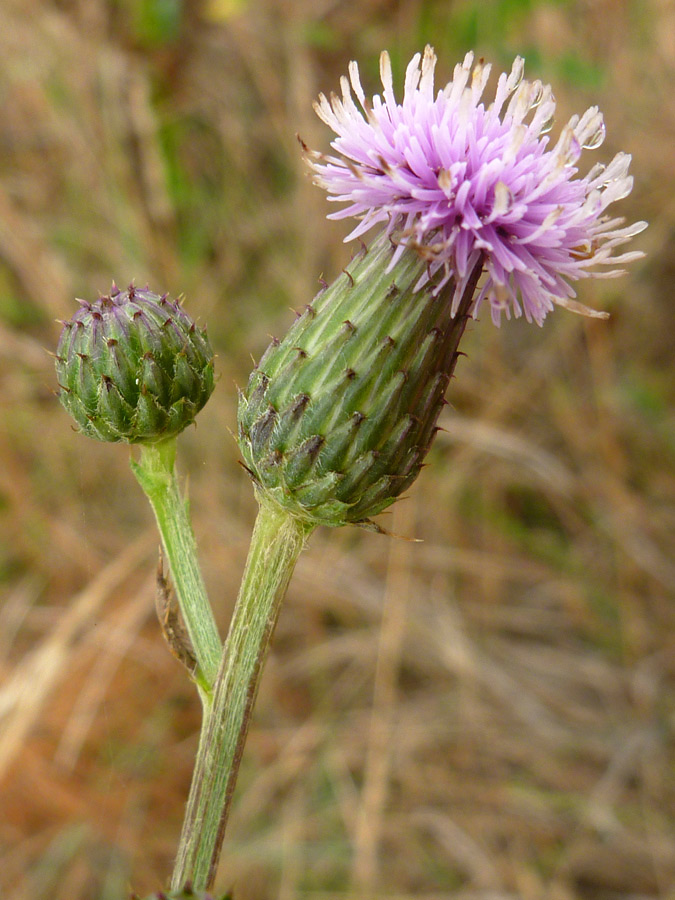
132,366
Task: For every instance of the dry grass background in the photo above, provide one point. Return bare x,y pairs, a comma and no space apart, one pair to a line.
485,715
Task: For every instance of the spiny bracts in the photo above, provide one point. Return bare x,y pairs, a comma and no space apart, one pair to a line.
338,417
133,366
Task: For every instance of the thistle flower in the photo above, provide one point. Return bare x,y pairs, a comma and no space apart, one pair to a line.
458,182
132,366
473,208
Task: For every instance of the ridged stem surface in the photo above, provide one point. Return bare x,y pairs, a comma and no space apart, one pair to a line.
277,541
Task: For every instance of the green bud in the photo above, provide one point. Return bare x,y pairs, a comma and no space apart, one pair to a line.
133,367
338,417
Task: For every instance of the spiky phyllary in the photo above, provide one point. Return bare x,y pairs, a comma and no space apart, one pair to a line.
338,417
133,366
473,208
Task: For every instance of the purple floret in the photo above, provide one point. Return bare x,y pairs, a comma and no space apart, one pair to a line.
461,183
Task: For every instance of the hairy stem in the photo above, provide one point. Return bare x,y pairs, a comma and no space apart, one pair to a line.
277,541
156,474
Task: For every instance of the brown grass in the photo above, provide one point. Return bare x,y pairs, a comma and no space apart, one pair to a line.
488,714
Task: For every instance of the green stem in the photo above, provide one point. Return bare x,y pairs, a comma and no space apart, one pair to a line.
277,541
156,474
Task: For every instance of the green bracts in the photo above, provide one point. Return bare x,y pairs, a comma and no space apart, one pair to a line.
133,366
338,416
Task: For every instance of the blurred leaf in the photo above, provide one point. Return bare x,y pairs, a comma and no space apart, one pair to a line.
472,25
64,847
321,35
646,394
156,22
580,72
14,310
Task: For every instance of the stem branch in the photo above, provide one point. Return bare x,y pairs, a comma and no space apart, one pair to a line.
156,474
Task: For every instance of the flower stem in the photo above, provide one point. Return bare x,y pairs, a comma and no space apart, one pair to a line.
278,538
156,474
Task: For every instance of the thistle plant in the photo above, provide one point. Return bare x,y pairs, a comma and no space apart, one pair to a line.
473,208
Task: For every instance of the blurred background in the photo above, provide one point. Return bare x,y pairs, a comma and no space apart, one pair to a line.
485,715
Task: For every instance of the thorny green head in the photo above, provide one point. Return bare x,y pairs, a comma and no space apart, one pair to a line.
134,367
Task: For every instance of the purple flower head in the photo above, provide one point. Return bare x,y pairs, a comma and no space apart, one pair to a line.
461,183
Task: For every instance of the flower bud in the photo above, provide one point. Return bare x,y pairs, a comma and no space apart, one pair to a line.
338,417
133,366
